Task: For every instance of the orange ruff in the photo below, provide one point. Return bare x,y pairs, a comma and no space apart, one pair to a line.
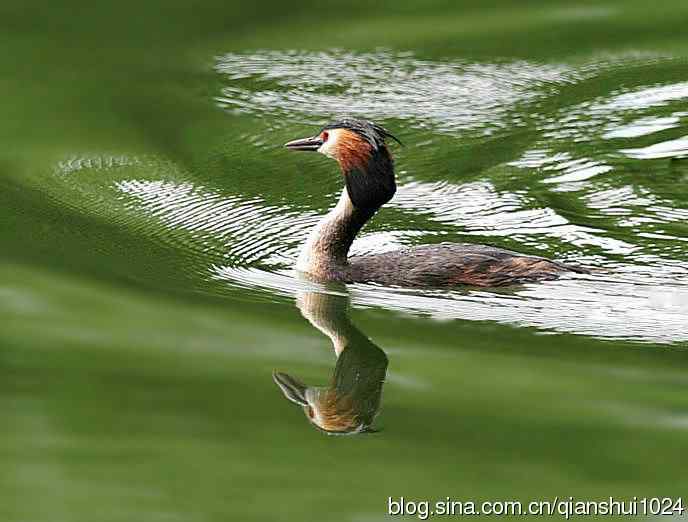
353,151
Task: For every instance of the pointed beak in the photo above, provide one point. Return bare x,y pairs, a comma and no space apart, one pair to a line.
312,143
292,389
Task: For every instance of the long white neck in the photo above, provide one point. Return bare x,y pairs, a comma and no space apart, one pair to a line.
327,247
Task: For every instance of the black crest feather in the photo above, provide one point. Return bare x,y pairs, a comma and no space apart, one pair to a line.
372,132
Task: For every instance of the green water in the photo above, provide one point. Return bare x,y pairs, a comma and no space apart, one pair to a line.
149,219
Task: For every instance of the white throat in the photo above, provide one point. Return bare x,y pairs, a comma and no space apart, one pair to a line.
325,247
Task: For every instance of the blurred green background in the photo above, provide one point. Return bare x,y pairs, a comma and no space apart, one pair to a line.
135,384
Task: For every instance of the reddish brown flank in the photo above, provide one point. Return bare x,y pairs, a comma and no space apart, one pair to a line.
510,270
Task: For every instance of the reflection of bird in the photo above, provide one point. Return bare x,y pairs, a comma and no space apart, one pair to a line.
351,401
366,163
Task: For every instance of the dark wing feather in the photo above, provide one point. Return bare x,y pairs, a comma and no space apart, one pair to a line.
452,264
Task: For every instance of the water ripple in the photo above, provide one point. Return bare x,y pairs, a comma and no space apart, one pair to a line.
667,149
450,96
612,220
631,304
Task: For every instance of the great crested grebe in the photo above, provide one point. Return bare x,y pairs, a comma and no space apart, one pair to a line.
368,168
351,402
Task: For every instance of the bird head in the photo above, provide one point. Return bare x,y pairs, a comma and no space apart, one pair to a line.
327,409
360,148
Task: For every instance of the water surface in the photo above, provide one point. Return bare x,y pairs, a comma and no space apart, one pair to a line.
150,220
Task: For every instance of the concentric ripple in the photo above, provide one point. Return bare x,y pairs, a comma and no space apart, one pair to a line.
583,187
604,306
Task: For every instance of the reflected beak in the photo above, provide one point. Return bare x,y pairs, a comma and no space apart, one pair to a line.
312,143
292,389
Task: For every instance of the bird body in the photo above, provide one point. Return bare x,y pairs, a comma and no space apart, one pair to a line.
368,169
453,264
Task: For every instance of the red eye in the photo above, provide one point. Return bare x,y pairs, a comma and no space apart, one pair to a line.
324,136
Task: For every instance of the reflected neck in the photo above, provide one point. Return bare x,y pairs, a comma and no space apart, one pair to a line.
326,251
329,314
